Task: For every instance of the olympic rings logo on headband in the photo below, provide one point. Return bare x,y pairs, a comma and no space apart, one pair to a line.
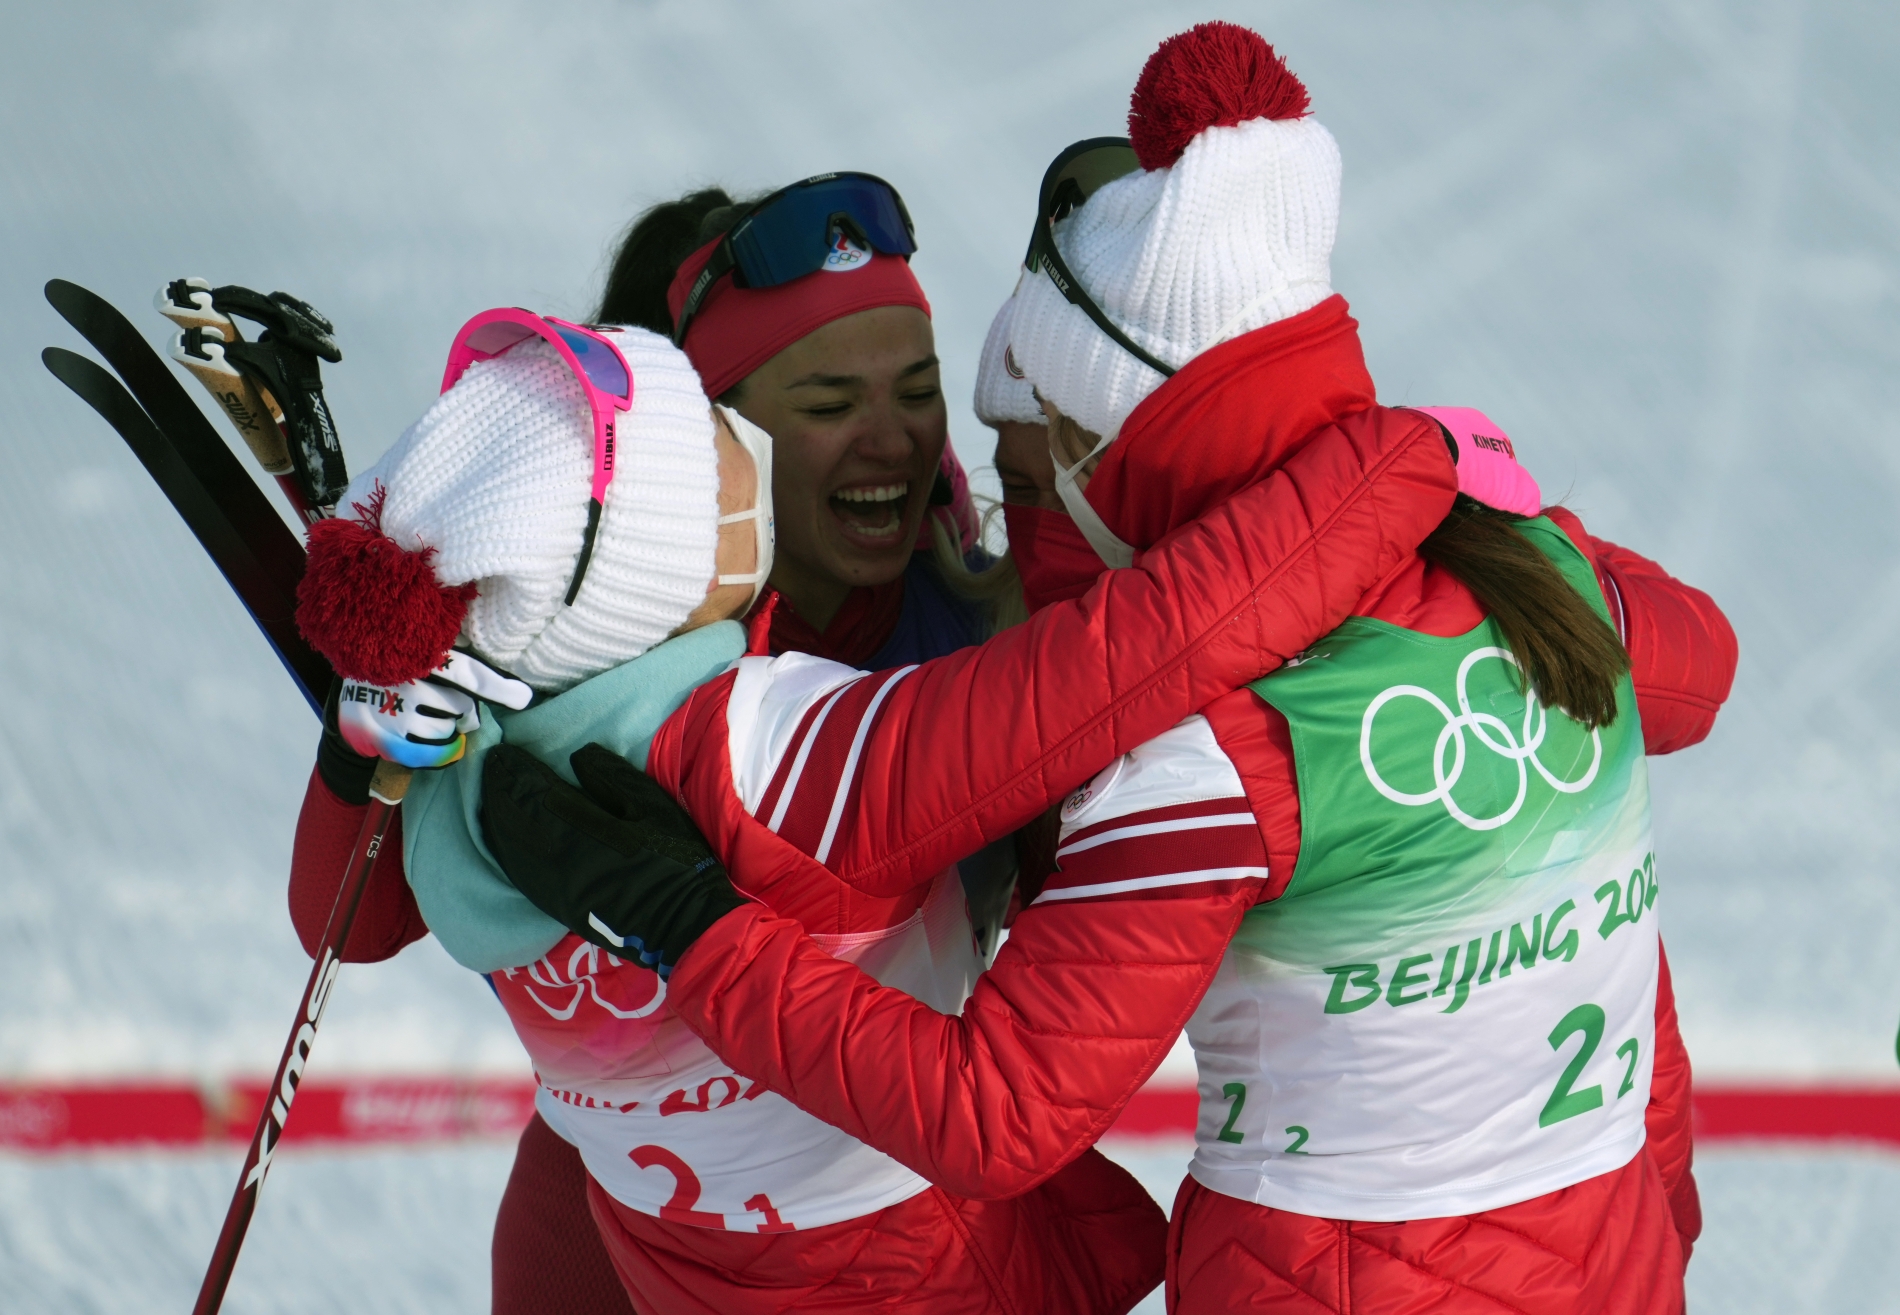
1482,725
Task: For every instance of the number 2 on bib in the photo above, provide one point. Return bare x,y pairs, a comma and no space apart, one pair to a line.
686,1189
1236,1092
1565,1103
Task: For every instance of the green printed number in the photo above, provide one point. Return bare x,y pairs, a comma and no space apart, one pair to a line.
1628,902
1565,1103
1630,1049
1299,1139
1236,1092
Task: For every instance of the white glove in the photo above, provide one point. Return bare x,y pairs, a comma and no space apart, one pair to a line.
425,723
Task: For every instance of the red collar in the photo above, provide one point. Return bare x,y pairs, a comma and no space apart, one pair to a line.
1228,418
863,625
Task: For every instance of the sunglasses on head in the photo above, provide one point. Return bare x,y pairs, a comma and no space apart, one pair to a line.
793,231
595,361
1076,175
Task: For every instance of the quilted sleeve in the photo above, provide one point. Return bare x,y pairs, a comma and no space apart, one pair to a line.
1095,982
1682,648
900,773
388,918
1669,1119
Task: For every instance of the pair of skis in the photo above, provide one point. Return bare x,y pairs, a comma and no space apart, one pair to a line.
271,391
233,521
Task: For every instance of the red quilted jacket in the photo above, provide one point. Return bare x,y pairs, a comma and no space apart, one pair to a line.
1088,994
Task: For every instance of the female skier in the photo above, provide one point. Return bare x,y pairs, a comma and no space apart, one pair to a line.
712,1193
1400,893
875,424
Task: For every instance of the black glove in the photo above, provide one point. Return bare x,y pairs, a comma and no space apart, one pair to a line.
617,862
343,769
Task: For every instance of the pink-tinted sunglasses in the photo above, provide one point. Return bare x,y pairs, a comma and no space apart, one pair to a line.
595,361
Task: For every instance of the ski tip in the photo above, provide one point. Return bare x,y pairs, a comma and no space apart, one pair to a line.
60,361
80,374
69,299
72,369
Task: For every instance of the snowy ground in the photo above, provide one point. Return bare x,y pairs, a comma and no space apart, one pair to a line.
1659,240
406,1232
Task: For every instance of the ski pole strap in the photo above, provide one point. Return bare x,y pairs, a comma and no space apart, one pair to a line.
293,378
284,361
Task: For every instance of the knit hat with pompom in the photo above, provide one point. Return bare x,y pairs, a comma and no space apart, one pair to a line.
1227,228
469,529
1003,393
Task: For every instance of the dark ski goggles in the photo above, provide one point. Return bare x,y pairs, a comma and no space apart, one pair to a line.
1076,175
791,233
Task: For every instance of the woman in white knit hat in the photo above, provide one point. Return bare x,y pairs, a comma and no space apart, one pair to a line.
1337,883
602,572
847,583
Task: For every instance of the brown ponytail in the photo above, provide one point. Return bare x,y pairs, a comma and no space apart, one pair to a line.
1568,653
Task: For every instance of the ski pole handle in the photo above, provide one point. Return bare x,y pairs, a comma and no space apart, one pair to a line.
386,789
203,334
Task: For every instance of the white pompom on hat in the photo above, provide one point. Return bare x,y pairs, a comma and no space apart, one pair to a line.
488,494
1003,391
1228,228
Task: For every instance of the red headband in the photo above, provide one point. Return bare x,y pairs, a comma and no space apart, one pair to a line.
739,329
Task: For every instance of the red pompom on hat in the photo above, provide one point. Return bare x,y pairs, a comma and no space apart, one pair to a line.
1228,227
1214,75
373,607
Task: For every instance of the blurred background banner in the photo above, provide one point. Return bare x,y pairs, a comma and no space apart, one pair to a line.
1658,241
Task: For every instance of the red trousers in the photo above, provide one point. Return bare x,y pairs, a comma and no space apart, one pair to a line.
1088,1242
1605,1246
547,1254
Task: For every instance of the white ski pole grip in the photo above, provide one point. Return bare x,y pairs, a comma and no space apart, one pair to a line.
386,789
201,351
203,332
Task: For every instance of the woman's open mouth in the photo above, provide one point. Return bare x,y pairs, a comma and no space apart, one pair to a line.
873,514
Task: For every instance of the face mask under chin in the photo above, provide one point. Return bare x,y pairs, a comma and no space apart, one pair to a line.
1108,546
758,444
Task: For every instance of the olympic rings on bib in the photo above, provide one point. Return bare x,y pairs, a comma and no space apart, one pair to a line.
1507,746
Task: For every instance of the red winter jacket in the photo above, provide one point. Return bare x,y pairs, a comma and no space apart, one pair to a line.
1254,582
1085,999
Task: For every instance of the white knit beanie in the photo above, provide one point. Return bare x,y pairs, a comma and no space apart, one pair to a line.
1003,393
495,479
1228,228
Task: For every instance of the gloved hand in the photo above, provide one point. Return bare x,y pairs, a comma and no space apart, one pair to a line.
422,724
617,862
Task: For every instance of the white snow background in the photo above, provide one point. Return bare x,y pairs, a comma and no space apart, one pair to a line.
1656,240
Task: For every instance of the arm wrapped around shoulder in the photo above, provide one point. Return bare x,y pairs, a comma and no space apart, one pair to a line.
1019,722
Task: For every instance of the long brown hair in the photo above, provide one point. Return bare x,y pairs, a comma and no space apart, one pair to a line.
1567,652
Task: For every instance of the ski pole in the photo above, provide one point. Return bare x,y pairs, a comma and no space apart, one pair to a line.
203,334
386,790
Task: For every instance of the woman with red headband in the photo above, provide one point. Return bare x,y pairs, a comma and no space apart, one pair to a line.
840,367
